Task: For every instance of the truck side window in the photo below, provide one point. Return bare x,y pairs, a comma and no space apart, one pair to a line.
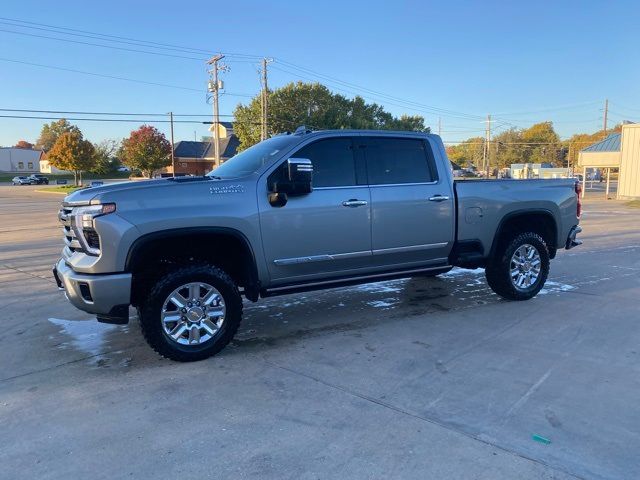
399,160
333,162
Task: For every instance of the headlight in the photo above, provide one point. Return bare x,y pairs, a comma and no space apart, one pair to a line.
82,224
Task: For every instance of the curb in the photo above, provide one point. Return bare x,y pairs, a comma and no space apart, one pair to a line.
56,193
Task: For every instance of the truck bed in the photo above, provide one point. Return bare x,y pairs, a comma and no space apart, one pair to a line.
483,206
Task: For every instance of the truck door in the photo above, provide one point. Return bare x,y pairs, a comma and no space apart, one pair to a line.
327,231
412,208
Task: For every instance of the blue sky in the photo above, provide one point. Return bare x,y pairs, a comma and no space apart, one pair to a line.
522,62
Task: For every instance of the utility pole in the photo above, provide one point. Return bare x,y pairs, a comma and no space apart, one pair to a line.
440,126
264,130
606,113
487,143
214,88
173,159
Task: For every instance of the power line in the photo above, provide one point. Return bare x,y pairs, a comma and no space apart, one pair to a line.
380,94
542,110
129,120
115,77
150,43
124,120
101,45
371,94
147,44
464,142
408,104
352,92
108,113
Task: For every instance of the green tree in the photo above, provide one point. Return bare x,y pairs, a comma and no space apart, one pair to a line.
507,148
468,153
72,152
51,131
315,106
543,143
146,150
104,158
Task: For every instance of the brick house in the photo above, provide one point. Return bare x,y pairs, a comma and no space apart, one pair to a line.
198,158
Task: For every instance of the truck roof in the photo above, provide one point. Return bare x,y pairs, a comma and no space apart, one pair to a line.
302,130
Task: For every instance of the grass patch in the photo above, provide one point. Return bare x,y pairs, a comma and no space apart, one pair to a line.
63,189
87,177
633,204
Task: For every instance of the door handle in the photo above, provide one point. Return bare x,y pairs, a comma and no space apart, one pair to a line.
353,202
438,198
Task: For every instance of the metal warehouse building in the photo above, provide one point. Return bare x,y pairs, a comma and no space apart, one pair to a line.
618,150
19,160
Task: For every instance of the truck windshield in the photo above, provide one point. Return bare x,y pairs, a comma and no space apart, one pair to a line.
250,160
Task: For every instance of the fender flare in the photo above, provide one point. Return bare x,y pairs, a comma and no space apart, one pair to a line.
523,213
139,244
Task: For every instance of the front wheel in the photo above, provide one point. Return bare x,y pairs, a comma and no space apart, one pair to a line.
520,270
191,313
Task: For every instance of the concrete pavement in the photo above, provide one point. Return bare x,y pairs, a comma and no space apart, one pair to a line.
418,378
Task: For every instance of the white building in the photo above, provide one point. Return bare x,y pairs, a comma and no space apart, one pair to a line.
621,151
537,170
19,160
46,167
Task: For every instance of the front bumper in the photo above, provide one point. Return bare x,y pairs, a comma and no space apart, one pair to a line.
571,239
107,296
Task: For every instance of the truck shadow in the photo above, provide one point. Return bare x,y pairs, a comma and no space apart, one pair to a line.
284,319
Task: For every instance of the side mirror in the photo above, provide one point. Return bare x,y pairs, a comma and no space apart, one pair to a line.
297,178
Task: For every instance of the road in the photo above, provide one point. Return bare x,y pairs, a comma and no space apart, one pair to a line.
419,378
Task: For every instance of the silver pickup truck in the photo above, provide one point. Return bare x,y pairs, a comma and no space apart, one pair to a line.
301,211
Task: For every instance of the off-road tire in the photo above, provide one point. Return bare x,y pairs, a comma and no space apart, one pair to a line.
149,312
498,270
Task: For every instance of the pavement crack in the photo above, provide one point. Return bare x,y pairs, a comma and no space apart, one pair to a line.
417,416
28,273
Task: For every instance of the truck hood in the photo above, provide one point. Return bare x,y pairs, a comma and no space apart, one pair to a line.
87,195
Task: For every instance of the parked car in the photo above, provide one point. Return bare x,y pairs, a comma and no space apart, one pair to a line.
95,183
20,181
124,169
296,212
38,179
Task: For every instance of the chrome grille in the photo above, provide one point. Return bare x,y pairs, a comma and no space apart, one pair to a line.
70,239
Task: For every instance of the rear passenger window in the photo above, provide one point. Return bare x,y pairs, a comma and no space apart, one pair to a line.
399,160
333,162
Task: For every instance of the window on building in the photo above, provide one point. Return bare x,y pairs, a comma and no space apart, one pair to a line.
30,165
20,165
399,160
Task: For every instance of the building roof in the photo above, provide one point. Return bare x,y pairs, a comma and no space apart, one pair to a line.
609,144
188,149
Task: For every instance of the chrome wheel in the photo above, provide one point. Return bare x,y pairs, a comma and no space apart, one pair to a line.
193,313
525,266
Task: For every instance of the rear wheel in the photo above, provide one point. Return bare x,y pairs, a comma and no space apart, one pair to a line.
521,269
191,313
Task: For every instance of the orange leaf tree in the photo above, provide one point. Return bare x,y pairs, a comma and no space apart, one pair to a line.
72,152
146,150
